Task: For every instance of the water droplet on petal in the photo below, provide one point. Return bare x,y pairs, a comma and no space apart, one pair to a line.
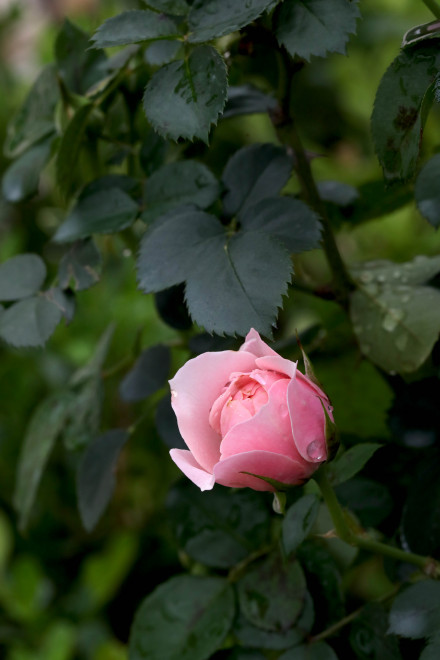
173,393
315,451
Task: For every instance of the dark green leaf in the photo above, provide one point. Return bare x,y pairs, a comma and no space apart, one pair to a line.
272,594
175,7
427,192
400,109
432,650
219,528
337,193
22,177
92,369
186,618
103,212
134,26
369,636
239,653
246,277
148,375
374,274
247,100
35,119
29,322
170,247
256,637
21,276
67,161
316,651
415,612
64,300
316,27
77,267
369,500
45,425
152,152
166,424
245,274
95,477
351,462
299,521
289,220
183,99
254,173
86,415
162,52
214,18
324,582
176,184
396,326
78,65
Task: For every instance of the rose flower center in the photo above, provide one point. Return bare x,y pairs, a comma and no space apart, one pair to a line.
241,398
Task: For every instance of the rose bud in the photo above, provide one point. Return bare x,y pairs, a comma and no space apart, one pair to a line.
248,414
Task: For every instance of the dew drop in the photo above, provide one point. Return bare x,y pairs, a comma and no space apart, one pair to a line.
315,451
406,299
392,319
396,274
365,348
371,289
366,277
401,342
381,278
174,394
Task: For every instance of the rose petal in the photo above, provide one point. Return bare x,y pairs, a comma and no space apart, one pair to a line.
269,430
194,389
311,384
186,462
277,363
229,471
254,344
308,420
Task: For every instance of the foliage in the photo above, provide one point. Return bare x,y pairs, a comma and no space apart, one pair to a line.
167,146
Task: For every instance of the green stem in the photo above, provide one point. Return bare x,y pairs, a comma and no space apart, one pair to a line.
428,565
433,6
342,281
288,134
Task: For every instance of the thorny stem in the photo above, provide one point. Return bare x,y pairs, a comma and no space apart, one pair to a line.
427,565
433,6
285,125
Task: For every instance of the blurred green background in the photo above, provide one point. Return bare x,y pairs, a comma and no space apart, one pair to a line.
68,594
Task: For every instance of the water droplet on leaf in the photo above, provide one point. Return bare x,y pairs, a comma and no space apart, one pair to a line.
392,318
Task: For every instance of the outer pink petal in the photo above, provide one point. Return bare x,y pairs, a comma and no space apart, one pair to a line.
308,420
194,389
269,430
254,344
191,469
229,471
277,363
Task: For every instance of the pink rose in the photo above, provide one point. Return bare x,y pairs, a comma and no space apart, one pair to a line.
248,411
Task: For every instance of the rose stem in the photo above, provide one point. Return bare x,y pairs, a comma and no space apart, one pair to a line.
288,134
336,627
428,565
433,6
